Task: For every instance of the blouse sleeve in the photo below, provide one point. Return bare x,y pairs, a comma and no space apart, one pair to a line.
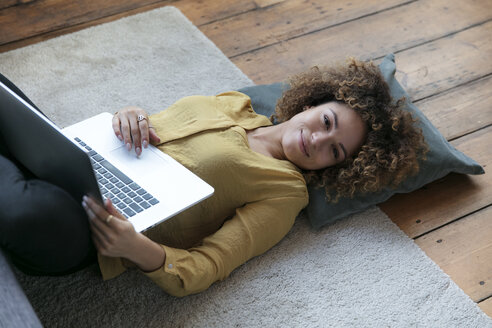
254,229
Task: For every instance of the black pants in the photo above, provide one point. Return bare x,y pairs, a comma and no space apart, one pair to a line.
42,228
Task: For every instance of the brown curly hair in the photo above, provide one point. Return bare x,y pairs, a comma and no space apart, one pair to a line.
393,144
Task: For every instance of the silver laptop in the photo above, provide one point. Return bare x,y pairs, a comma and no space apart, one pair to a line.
87,158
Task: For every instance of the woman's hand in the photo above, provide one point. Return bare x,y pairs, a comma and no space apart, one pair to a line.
114,236
131,125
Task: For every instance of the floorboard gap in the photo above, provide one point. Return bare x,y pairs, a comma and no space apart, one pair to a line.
452,221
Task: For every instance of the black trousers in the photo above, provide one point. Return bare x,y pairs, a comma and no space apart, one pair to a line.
43,229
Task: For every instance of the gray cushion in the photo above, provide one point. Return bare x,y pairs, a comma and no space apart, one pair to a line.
15,309
441,159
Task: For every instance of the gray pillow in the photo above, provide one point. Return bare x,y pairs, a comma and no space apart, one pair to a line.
441,159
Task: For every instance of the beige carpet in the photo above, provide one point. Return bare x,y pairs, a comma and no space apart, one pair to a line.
361,271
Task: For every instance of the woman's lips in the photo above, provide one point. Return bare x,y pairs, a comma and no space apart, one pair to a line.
302,144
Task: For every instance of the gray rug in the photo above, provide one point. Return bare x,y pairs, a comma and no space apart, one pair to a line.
361,271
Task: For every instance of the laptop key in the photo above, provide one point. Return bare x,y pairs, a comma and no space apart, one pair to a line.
116,172
141,191
145,205
147,196
138,199
127,200
129,212
135,207
121,206
98,158
113,180
134,186
115,200
120,185
132,194
125,189
153,201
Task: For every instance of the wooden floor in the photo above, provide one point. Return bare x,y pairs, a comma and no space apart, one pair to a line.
444,57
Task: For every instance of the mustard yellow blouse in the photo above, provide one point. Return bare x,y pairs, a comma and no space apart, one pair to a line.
255,202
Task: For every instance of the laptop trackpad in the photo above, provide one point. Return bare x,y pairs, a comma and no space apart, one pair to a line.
148,164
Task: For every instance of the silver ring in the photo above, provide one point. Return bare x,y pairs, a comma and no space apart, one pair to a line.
140,118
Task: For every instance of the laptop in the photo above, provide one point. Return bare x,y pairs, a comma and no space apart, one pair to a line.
88,159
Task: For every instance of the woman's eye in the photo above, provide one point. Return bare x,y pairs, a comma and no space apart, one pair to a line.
327,121
335,152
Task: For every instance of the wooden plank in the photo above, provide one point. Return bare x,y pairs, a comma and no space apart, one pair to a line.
10,3
20,22
260,28
486,306
459,238
266,3
449,198
200,12
475,283
203,12
463,249
43,16
443,64
370,37
460,110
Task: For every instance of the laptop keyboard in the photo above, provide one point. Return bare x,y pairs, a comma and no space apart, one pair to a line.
125,194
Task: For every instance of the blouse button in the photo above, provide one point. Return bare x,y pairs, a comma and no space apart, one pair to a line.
170,265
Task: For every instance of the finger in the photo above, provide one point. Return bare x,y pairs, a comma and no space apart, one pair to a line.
100,212
135,131
153,136
97,226
112,210
97,234
95,239
144,132
116,126
125,130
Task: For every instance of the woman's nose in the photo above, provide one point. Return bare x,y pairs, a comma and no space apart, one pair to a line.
320,138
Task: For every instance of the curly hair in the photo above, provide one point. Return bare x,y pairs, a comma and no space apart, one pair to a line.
393,145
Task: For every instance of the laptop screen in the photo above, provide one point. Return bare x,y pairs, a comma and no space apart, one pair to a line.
42,148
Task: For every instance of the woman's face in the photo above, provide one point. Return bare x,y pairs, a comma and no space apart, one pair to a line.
323,136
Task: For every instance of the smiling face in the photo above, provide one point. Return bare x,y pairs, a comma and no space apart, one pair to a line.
323,136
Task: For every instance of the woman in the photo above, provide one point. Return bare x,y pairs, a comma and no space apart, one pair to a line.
337,129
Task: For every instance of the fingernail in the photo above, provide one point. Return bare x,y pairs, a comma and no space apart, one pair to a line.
138,150
84,205
84,198
128,146
120,137
145,143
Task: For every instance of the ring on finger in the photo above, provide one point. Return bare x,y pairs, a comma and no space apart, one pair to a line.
140,118
109,218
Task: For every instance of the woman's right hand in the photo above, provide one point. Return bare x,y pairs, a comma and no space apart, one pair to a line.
131,125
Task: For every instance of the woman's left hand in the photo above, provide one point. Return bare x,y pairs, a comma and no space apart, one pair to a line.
113,234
